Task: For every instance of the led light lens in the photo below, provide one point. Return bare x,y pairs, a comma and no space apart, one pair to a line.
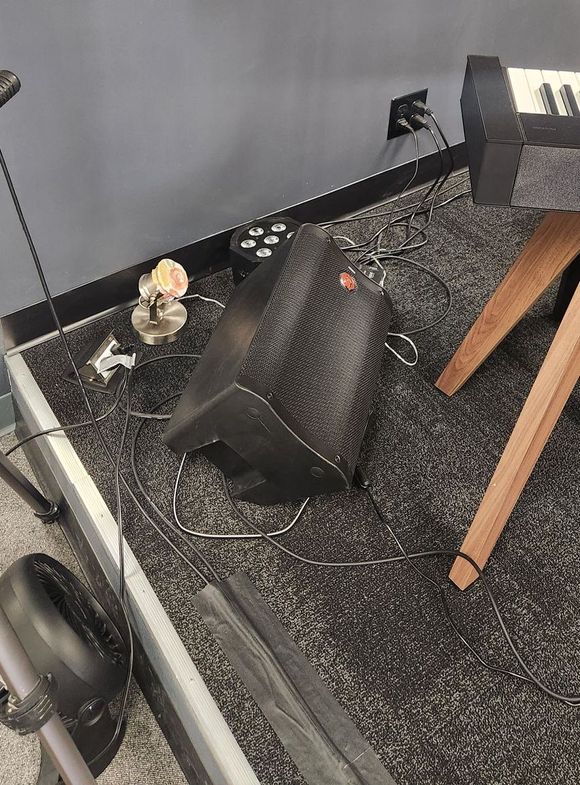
256,231
170,278
278,227
271,239
262,252
248,243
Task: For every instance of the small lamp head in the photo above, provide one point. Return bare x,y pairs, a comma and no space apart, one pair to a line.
158,318
167,281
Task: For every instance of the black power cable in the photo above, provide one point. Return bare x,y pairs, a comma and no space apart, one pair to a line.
372,254
122,583
387,227
101,417
415,210
437,188
368,214
422,229
448,293
175,529
66,428
433,186
431,113
410,558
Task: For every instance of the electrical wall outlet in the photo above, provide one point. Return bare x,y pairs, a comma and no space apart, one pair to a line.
401,107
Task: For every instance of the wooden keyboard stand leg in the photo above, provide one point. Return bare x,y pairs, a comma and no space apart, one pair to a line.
555,381
568,285
551,249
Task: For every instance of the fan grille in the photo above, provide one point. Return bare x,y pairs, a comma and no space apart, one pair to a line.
70,601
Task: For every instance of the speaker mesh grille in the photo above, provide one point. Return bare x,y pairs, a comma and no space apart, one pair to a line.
318,347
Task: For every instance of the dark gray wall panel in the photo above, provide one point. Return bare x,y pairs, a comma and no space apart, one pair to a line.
143,125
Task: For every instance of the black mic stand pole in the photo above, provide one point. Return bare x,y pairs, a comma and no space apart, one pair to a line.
23,683
44,509
16,670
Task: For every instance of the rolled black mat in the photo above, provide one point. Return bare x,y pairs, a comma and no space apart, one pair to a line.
318,735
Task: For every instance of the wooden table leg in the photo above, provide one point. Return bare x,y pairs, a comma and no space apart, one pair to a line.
568,285
554,244
554,383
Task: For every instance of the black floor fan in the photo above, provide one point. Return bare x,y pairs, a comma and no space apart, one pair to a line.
67,634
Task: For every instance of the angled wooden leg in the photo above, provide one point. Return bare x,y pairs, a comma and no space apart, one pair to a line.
554,383
568,285
554,244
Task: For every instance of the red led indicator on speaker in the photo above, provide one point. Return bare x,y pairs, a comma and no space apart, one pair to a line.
348,282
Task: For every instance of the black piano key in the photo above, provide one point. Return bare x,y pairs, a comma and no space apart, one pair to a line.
549,98
570,101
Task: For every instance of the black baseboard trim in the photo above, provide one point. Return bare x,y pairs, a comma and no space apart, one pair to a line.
208,255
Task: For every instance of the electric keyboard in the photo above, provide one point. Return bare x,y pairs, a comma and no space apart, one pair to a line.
536,91
522,131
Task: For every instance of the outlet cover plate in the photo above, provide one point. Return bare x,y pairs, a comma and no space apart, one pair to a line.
395,130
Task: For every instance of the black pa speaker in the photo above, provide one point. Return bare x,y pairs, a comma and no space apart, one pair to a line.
280,399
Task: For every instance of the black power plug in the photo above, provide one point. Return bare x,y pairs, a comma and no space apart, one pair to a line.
418,107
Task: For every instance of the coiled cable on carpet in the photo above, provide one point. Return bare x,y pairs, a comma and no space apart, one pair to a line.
527,675
230,536
375,255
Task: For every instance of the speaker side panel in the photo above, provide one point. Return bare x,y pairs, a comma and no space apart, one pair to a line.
192,424
492,134
263,454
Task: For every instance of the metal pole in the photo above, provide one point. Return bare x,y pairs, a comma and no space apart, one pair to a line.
20,679
43,508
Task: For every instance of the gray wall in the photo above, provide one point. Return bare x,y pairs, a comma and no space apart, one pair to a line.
143,125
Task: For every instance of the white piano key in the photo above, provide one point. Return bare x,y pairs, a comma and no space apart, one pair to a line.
569,77
535,79
523,98
553,79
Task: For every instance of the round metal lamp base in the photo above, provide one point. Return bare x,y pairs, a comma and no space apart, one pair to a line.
166,330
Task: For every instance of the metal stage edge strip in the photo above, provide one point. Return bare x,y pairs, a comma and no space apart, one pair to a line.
202,741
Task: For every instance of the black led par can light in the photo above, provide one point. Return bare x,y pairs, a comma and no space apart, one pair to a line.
259,241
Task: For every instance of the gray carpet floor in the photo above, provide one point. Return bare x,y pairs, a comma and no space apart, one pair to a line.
144,757
377,636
